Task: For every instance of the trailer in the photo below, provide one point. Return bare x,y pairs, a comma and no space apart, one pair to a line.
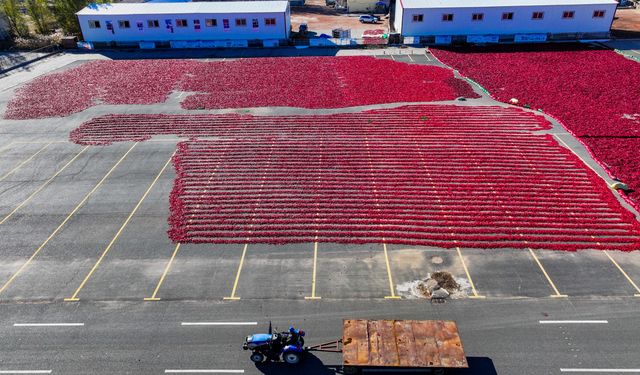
426,346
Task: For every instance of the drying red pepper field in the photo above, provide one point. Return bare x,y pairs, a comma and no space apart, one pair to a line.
455,175
307,82
424,175
594,93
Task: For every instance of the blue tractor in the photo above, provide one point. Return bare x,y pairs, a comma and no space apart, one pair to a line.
287,346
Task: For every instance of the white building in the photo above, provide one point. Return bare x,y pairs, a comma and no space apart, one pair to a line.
191,24
486,21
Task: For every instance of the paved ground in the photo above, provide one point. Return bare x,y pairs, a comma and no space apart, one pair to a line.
83,243
629,48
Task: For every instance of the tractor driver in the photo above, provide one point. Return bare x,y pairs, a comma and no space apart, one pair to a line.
295,336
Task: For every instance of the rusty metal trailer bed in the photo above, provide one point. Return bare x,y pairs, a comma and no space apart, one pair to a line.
398,345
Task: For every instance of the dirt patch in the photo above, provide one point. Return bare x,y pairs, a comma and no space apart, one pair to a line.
438,285
321,19
626,23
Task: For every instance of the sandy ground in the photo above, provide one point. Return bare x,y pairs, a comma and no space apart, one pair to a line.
626,23
321,19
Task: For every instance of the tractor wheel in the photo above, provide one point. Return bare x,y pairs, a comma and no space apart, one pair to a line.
291,358
257,357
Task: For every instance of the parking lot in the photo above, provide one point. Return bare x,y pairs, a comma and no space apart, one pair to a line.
88,223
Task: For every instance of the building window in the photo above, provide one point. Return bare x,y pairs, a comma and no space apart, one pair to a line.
537,15
225,24
94,24
241,22
211,22
418,18
598,13
152,24
270,21
254,23
447,17
124,24
568,14
507,16
477,16
181,23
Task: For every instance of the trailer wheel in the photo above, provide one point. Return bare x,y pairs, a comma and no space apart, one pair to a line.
291,358
350,370
257,357
438,371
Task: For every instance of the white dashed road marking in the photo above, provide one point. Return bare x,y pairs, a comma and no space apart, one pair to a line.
574,321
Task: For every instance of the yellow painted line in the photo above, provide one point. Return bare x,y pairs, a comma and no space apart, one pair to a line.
235,283
313,279
466,271
43,185
25,161
164,274
8,146
82,202
175,251
635,286
392,289
74,297
553,286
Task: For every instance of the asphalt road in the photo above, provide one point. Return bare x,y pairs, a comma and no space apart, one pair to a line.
95,286
500,336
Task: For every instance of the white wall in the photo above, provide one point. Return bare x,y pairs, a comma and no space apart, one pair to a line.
287,20
133,34
397,20
462,24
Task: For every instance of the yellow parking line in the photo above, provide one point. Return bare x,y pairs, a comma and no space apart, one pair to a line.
553,286
6,147
43,185
25,161
313,277
164,274
235,283
392,288
635,286
86,197
466,271
74,297
175,251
